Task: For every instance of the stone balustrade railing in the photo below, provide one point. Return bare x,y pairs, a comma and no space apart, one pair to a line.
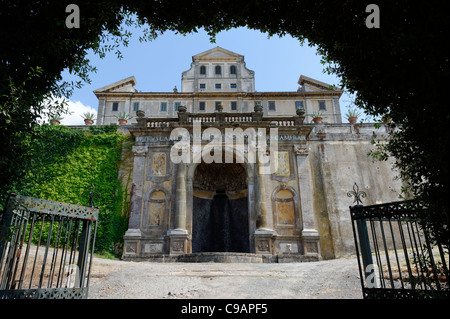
221,117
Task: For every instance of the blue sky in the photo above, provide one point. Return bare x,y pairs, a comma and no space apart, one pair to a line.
157,65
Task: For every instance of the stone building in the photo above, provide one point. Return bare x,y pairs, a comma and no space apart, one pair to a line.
200,184
217,77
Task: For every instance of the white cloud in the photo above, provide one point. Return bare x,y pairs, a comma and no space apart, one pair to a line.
77,109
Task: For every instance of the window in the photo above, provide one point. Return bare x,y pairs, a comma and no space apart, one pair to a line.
218,69
202,85
115,106
257,103
234,106
163,106
135,106
233,69
298,105
203,69
217,105
177,105
272,106
218,86
322,106
202,106
233,85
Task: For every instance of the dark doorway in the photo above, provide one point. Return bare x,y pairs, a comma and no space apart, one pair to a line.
220,209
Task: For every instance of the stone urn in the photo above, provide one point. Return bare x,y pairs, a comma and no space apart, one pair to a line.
219,108
301,116
300,111
182,109
140,113
258,108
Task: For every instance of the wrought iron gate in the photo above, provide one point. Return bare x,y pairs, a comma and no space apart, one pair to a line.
396,256
46,249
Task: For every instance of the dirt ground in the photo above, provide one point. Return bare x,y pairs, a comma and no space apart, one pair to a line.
331,279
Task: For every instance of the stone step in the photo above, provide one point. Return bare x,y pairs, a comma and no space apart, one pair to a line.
229,257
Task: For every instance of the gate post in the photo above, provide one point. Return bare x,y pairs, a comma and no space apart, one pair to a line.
366,253
357,216
84,251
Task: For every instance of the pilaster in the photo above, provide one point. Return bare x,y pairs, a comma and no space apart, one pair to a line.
263,236
133,235
101,111
309,235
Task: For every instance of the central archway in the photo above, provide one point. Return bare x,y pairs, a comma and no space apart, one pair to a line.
220,215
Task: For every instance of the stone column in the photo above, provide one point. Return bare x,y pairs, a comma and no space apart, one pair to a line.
261,205
179,235
251,204
263,235
180,195
133,234
310,236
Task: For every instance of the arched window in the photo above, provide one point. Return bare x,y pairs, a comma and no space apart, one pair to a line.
218,69
233,69
203,69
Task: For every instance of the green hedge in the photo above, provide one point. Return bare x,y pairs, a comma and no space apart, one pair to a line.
61,165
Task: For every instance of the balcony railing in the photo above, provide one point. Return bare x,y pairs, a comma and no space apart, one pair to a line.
221,117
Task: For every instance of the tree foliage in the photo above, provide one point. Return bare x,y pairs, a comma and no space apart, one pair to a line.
36,46
399,69
61,165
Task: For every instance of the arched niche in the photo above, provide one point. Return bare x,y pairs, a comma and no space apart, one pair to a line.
285,207
156,209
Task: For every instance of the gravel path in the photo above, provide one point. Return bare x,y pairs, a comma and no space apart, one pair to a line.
336,279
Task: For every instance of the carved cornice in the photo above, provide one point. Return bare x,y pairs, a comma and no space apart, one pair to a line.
140,150
207,95
301,150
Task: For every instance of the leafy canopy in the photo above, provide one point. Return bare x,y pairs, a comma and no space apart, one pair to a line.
399,69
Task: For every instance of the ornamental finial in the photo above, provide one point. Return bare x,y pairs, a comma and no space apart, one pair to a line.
357,194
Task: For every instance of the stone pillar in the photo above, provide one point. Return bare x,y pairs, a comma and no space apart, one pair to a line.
263,235
133,234
101,111
261,205
180,198
179,235
127,107
309,236
251,204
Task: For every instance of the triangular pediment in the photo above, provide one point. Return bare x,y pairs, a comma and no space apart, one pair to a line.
217,54
309,84
125,85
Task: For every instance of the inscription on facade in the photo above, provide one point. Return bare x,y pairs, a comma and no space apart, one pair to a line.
280,137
